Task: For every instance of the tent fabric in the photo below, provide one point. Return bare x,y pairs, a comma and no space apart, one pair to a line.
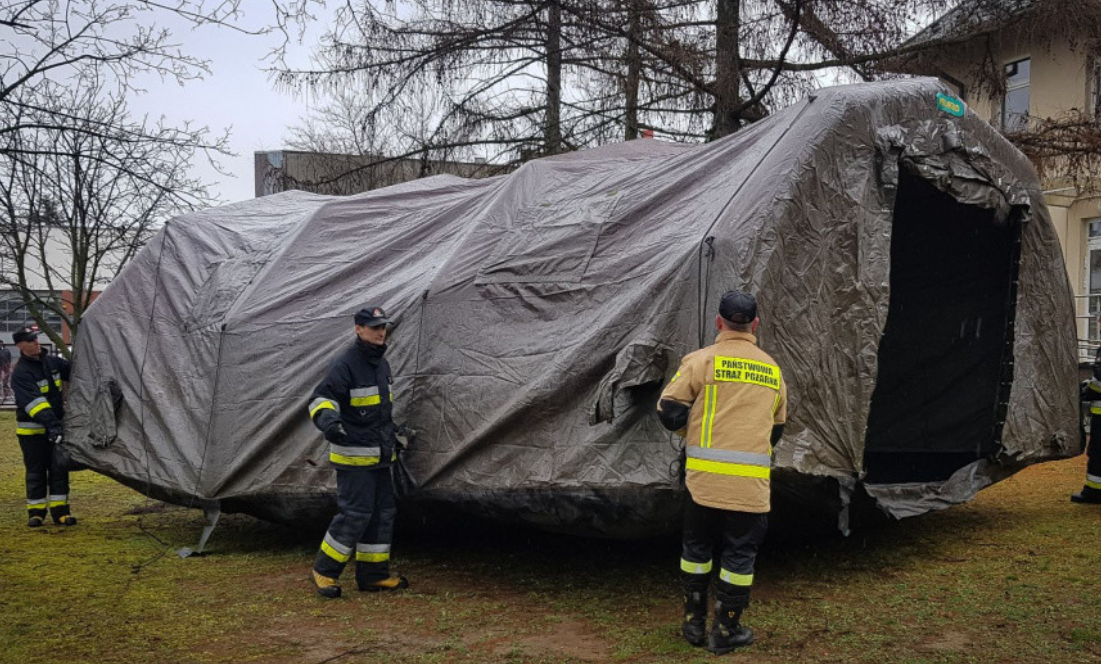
538,314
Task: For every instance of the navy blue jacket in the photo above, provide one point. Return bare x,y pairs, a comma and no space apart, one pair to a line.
36,382
356,393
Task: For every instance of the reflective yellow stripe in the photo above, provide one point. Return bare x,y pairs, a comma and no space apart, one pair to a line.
725,468
322,406
372,557
44,388
736,579
353,460
674,378
695,568
709,398
372,400
29,431
58,503
39,408
1093,485
333,553
742,370
1095,410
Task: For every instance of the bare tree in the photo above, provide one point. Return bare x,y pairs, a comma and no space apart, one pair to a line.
76,202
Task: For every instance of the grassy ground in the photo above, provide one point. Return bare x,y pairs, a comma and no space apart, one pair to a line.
1013,576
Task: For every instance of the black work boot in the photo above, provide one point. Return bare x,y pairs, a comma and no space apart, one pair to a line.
694,627
1088,495
727,632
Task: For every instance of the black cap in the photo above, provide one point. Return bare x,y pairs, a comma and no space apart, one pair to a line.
24,334
371,317
738,307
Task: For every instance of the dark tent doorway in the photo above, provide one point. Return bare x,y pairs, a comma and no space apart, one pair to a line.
946,356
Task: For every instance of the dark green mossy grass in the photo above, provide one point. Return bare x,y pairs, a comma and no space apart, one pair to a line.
1010,577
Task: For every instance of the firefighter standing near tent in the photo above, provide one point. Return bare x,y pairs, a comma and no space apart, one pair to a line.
353,407
1091,391
730,401
39,409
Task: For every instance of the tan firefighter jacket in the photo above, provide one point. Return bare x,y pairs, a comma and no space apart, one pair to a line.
735,395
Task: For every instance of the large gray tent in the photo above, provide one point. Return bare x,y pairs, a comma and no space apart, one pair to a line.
910,283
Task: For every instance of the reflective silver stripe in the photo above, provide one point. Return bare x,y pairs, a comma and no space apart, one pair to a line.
1095,407
729,456
344,450
64,497
31,426
36,503
1095,385
37,402
43,383
337,546
363,392
372,548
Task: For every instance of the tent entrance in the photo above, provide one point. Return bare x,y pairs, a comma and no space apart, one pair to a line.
946,356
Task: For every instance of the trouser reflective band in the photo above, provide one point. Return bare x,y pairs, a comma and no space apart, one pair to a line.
58,501
735,579
690,567
1095,408
29,429
354,456
335,549
1093,481
36,505
372,553
728,462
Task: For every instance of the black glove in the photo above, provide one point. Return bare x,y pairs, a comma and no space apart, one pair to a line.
54,433
404,436
335,433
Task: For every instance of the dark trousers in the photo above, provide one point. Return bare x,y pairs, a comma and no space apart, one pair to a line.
1093,453
363,528
47,480
736,535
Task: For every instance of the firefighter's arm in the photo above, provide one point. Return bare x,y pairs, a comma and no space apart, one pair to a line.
32,401
325,402
677,398
779,413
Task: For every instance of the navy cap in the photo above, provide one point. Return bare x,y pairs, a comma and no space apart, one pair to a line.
738,307
24,334
371,317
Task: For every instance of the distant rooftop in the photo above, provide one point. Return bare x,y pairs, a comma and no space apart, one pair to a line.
973,17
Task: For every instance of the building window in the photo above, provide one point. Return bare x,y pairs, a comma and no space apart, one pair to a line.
1015,104
1093,93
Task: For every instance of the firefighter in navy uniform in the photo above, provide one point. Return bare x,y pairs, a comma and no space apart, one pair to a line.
1091,391
353,407
36,382
730,400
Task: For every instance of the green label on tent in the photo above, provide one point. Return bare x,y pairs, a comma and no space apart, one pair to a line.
950,105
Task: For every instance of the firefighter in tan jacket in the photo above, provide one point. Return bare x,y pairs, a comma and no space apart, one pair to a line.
729,400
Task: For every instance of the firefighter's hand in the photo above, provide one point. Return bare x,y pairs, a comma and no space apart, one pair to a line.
404,436
54,434
335,433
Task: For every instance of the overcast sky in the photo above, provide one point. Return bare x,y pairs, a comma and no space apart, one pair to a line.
237,95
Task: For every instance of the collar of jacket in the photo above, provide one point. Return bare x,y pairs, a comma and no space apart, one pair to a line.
730,335
374,353
41,357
